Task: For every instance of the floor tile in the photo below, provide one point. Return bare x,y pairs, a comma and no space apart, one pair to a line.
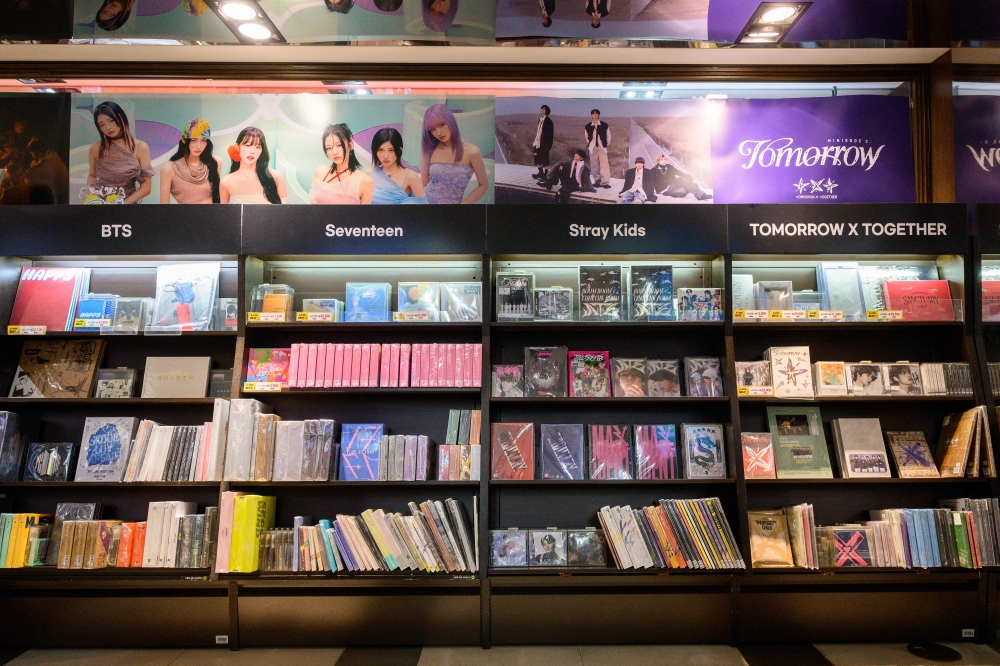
259,657
122,657
660,655
895,654
560,655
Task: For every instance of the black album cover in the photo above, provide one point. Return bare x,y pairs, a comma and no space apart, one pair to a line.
562,451
652,293
49,462
515,296
545,372
600,293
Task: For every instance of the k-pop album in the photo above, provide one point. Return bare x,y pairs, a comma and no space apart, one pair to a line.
703,450
663,377
600,293
509,548
704,376
508,381
629,376
515,296
548,548
610,451
545,372
553,304
589,375
586,548
652,293
512,451
562,451
656,452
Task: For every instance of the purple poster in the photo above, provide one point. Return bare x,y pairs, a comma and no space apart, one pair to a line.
853,149
825,20
977,149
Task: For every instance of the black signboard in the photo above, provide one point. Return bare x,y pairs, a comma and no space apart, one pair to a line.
440,229
988,216
597,229
119,230
848,229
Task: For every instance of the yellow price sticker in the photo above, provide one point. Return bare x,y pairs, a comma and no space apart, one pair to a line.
742,390
26,330
261,386
313,316
774,314
739,314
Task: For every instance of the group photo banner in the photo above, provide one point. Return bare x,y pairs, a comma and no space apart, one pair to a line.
298,149
854,149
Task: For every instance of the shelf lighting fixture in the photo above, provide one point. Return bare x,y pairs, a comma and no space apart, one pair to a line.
771,22
247,21
640,94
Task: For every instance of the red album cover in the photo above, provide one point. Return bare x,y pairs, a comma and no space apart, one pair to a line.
920,300
758,455
47,297
991,300
512,451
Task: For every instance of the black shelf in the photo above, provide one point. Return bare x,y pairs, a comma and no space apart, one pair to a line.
114,336
648,326
366,484
850,325
107,401
613,482
605,401
373,391
366,326
108,484
876,481
858,398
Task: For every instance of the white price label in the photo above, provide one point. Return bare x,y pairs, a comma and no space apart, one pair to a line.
313,316
26,330
786,314
754,314
259,387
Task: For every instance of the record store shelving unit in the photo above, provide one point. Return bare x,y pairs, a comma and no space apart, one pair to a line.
706,244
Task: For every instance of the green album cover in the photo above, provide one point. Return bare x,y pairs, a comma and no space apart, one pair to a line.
799,443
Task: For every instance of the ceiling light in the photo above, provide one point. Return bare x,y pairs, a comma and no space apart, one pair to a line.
362,91
771,22
630,94
45,90
650,94
255,31
777,14
238,11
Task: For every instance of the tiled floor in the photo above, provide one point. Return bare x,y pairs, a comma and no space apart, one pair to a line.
586,655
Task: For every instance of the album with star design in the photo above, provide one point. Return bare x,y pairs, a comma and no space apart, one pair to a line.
791,371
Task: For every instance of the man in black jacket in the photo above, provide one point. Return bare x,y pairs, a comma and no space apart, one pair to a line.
639,184
672,182
542,143
572,176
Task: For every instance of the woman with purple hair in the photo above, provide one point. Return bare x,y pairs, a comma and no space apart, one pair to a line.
118,161
446,162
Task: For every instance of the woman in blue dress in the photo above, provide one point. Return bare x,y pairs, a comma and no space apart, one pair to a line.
394,183
447,163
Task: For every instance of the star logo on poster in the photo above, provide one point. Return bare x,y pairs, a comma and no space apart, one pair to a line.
815,186
801,185
829,185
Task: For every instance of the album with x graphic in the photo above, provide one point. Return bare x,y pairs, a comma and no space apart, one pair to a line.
913,456
791,371
852,548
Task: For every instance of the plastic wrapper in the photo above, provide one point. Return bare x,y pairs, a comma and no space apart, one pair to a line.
273,298
368,301
512,451
67,511
544,372
49,462
57,368
703,450
327,451
656,452
651,293
239,442
547,548
131,315
461,301
115,383
508,548
11,446
360,451
105,447
311,450
553,304
586,548
419,297
562,451
288,450
610,451
600,289
263,446
185,296
226,315
515,296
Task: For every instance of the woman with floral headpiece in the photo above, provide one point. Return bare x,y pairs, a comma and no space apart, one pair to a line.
192,174
118,162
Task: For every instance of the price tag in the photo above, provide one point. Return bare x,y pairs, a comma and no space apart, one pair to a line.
26,330
754,390
313,316
754,314
261,386
786,314
91,323
254,317
418,315
825,315
884,315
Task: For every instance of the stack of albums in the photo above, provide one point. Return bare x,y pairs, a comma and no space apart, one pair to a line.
554,372
548,548
787,372
435,538
607,293
607,452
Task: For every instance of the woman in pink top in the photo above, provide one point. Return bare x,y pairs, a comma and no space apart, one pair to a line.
343,182
192,174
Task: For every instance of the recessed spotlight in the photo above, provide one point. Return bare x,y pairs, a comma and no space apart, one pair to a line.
630,94
238,11
45,90
362,91
777,14
255,31
650,94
